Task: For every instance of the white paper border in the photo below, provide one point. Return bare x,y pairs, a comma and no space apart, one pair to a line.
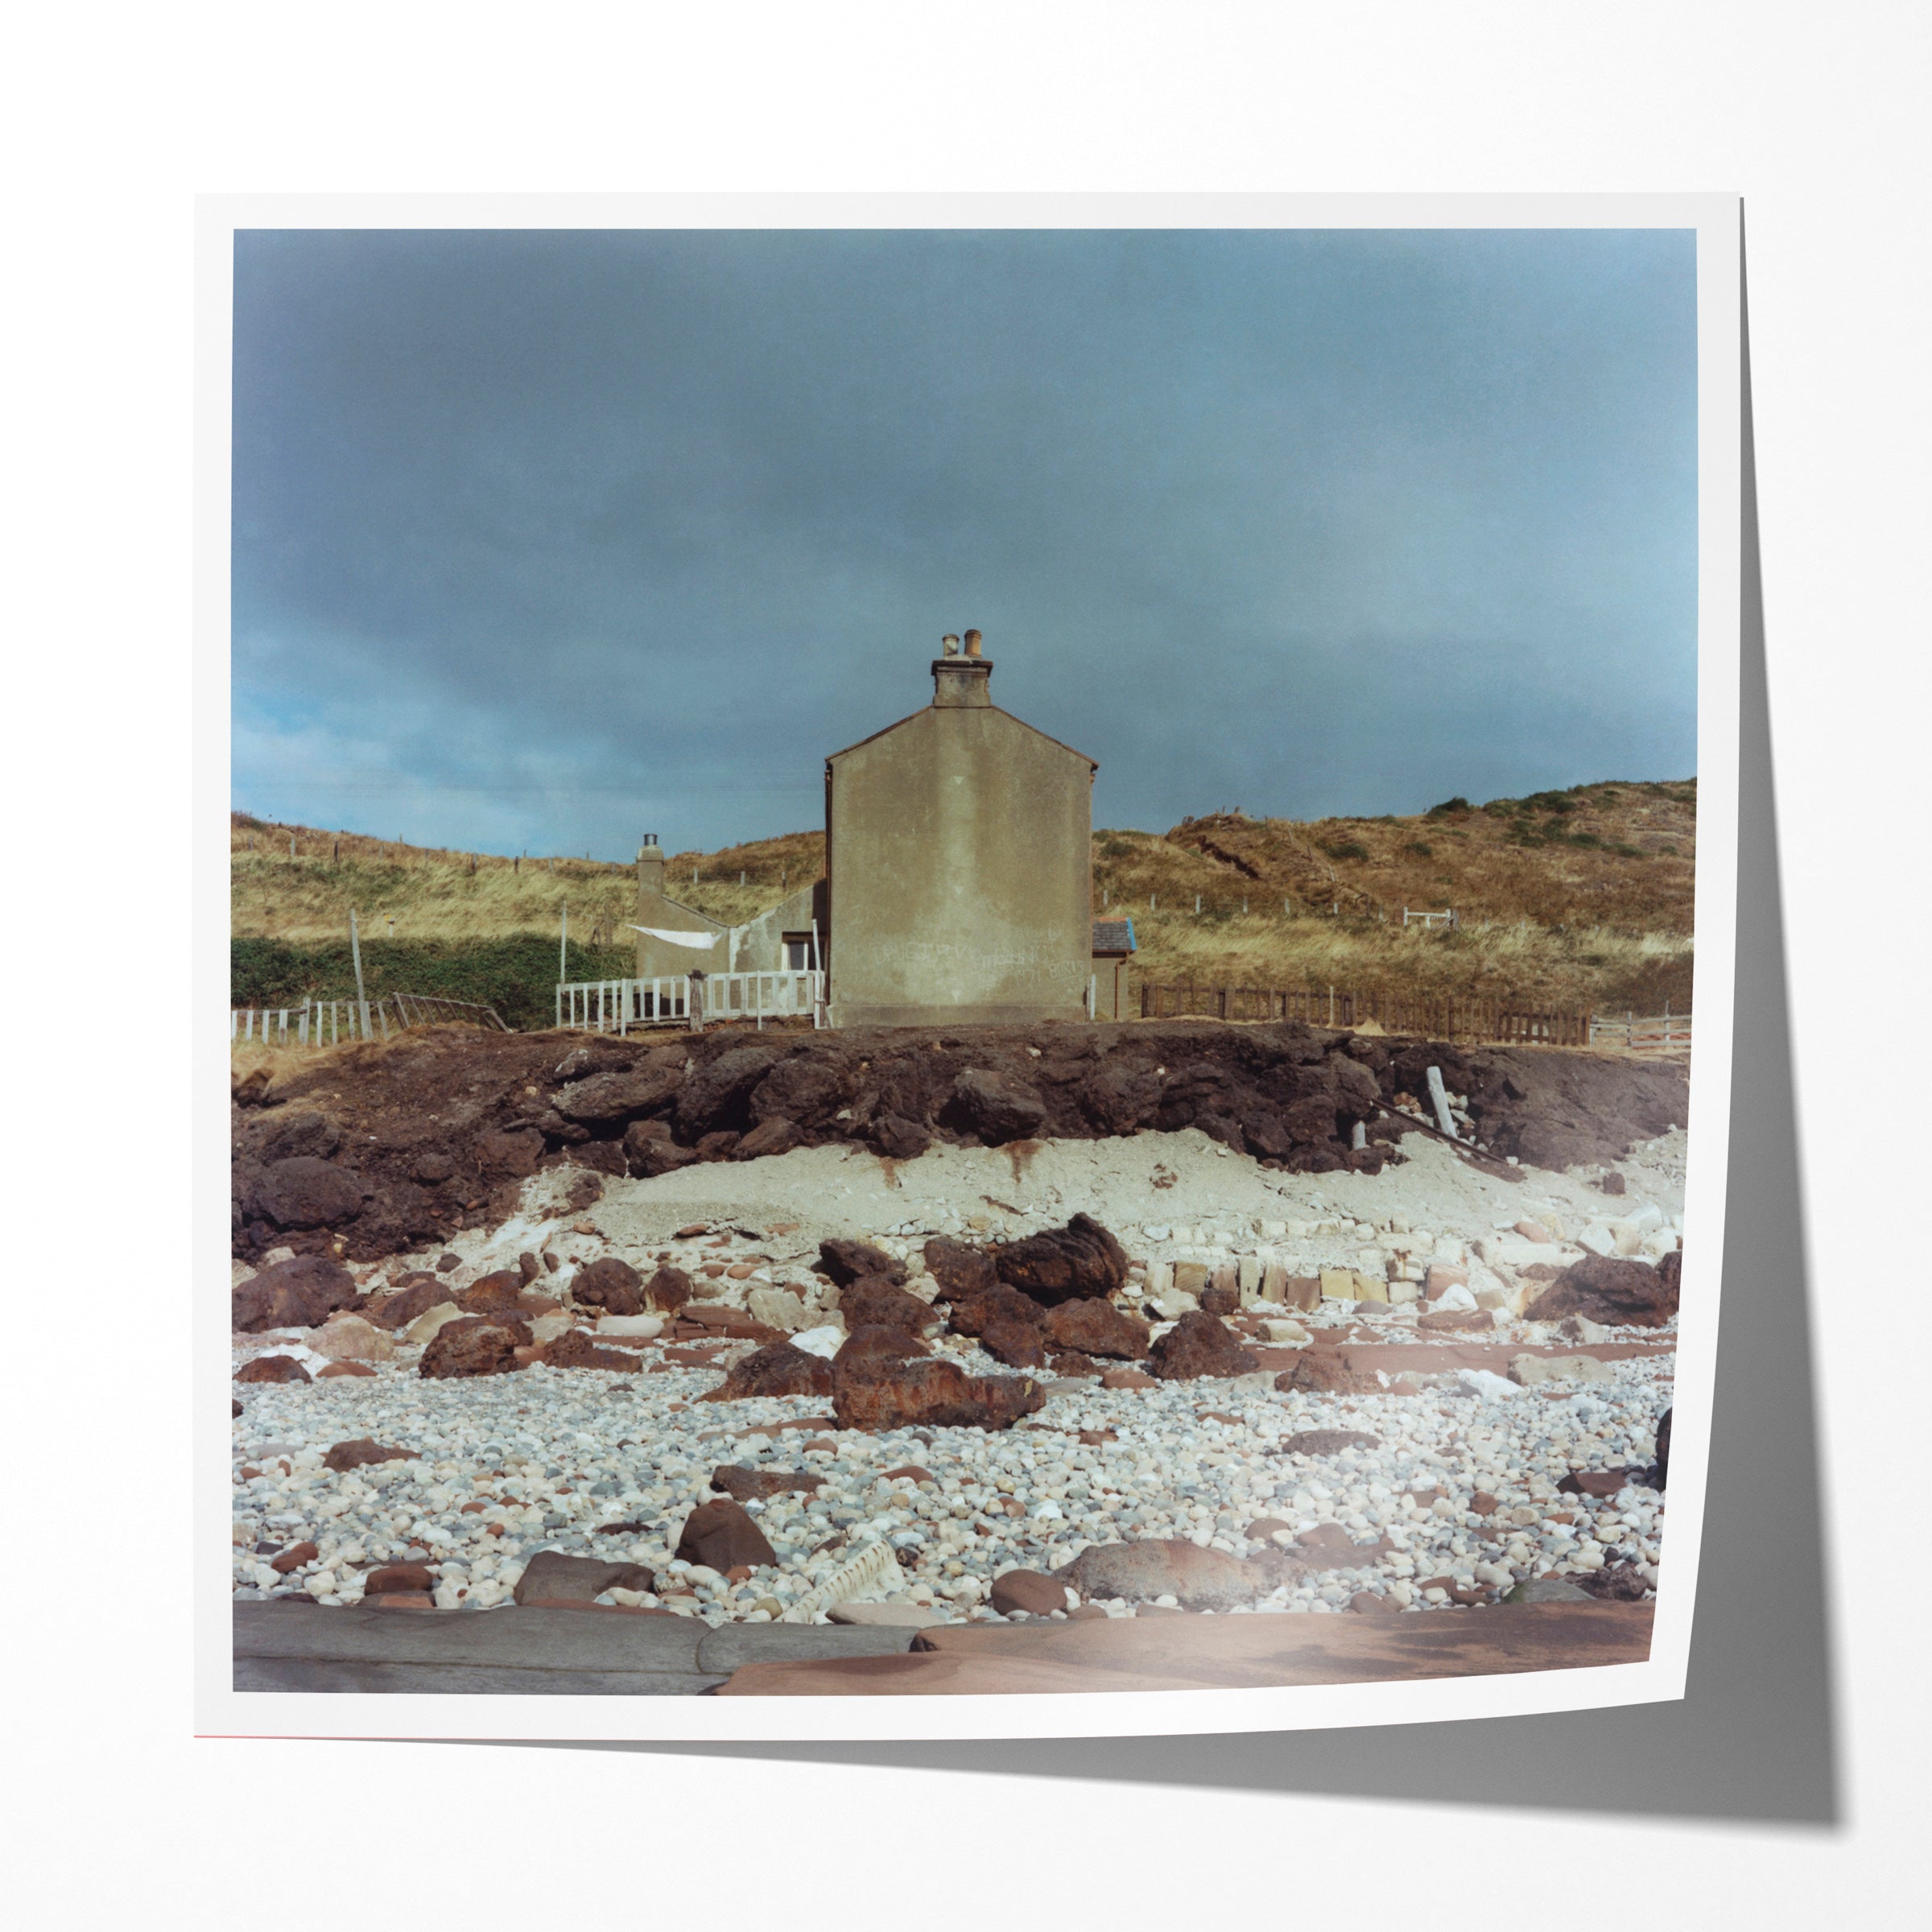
220,1711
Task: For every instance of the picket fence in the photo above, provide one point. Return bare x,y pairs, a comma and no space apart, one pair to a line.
330,1022
617,1005
1484,1021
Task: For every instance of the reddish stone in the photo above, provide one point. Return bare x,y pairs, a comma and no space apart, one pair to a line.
474,1344
344,1369
1029,1591
722,1535
1327,1372
1201,1580
363,1451
901,1395
1368,1604
1093,1437
1097,1327
908,1472
1199,1344
1071,1366
1483,1502
1065,1263
742,1485
553,1576
879,1344
1263,1528
1599,1483
272,1369
493,1293
1221,1301
975,1313
1455,1320
1016,1344
303,1293
961,1271
1127,1378
667,1291
1609,1289
610,1284
575,1349
776,1369
291,1560
420,1294
714,1318
394,1578
848,1262
873,1303
1329,1546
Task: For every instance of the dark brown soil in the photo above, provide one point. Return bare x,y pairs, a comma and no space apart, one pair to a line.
423,1137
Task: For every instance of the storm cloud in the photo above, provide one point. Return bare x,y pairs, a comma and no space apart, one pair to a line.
543,538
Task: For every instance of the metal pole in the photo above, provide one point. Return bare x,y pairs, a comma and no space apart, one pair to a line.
355,954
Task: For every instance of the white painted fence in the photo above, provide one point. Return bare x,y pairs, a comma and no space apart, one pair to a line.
617,1005
328,1022
1426,919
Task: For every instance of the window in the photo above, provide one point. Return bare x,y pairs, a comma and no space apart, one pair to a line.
798,952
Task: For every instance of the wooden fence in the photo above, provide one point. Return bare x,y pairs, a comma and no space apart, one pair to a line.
1664,1036
328,1022
1487,1022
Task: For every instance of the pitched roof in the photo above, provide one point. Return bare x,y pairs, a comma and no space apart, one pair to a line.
1111,936
886,730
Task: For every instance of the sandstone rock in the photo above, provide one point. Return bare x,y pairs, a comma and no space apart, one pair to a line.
874,1303
1031,1591
1548,1590
1064,1264
493,1293
610,1284
299,1294
399,1579
1198,1579
720,1534
474,1344
778,1308
1533,1371
778,1368
887,1617
995,1107
848,1262
1327,1372
363,1451
307,1192
551,1576
1199,1344
1019,1344
1127,1378
1329,1546
1097,1327
961,1271
1611,1290
292,1559
617,1327
427,1324
902,1395
272,1369
743,1484
349,1338
341,1368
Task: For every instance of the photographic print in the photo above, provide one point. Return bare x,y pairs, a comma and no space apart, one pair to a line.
962,961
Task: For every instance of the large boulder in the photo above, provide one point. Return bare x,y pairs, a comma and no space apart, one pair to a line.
301,1131
846,1261
1609,1289
878,1343
773,1136
303,1293
349,1338
1064,1264
417,1296
667,1291
1019,1344
551,1576
575,1349
363,1451
776,1369
960,1269
492,1294
473,1345
1097,1327
306,1191
1139,1572
875,1303
1119,1094
604,1099
974,1314
715,1098
938,1393
610,1284
995,1107
1199,1344
723,1535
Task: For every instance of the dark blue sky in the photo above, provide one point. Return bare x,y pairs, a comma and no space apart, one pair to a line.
543,538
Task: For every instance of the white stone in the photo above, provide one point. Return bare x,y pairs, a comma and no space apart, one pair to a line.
1598,1238
778,1309
637,1327
427,1323
1456,1299
548,1326
822,1342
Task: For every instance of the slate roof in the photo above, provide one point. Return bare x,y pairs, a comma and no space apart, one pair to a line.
1113,936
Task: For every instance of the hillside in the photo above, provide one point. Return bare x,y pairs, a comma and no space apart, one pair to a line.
1567,899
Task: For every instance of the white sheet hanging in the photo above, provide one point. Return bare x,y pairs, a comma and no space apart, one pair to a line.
694,940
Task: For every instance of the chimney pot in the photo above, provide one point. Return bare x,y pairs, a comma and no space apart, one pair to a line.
949,646
972,643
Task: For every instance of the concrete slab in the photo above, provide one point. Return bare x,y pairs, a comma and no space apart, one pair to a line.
731,1646
389,1679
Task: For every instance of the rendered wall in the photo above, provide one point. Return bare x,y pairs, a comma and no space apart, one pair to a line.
959,872
658,958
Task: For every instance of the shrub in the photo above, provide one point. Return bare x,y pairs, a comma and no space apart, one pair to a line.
1421,849
1345,849
1448,806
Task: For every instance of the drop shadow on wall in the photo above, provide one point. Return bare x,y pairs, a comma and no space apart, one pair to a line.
1755,1739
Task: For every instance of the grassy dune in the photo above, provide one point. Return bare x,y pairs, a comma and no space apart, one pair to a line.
1580,898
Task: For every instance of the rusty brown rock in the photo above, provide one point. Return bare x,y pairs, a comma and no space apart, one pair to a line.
272,1369
303,1293
974,1314
341,1368
722,1534
960,1270
901,1395
1064,1264
1199,1344
667,1291
877,1343
417,1295
473,1345
873,1303
1609,1289
1198,1579
363,1451
1031,1591
292,1559
1097,1327
397,1579
576,1349
1019,1344
776,1369
492,1294
610,1284
1327,1372
846,1261
743,1484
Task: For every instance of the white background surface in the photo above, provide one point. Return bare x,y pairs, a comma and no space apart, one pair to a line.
121,116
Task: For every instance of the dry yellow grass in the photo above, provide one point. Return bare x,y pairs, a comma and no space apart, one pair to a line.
1568,900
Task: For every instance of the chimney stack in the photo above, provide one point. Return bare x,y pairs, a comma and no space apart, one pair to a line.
960,683
650,865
